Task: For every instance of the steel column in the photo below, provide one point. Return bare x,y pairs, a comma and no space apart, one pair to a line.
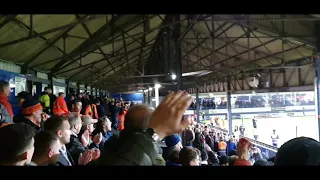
317,68
149,97
177,52
317,90
229,115
197,105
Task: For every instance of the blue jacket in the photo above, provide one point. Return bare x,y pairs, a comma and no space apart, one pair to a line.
105,137
231,146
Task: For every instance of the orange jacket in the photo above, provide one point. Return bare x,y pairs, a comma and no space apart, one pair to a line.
121,121
91,110
222,145
60,107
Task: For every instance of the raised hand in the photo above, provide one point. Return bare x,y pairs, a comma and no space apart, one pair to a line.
85,138
95,153
167,118
85,158
97,138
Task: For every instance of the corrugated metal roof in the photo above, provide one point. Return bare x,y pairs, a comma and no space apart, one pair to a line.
96,48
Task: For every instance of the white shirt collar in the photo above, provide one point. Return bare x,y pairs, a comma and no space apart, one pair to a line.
73,133
63,149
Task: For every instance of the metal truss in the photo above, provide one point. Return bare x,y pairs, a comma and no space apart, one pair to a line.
234,47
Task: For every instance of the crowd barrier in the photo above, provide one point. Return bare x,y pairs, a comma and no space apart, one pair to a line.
267,150
260,110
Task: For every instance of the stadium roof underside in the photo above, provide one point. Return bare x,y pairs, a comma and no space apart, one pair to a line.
99,50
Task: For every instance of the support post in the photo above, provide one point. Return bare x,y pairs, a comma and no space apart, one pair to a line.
144,98
67,88
149,97
156,94
177,33
197,105
78,91
50,77
317,67
317,91
229,115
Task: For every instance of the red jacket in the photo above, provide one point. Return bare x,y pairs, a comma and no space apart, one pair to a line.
5,102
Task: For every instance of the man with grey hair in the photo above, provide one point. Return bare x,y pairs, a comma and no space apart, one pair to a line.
6,112
75,146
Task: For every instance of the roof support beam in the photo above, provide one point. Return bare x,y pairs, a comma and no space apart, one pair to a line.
90,35
47,32
115,79
201,42
95,38
95,62
129,52
106,42
113,62
51,43
190,26
8,18
89,51
125,49
108,78
317,35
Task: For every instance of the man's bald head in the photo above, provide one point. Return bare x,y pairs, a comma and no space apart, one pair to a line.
137,117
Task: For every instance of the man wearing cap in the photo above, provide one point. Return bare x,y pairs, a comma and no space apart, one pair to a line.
75,146
173,144
86,130
17,142
31,113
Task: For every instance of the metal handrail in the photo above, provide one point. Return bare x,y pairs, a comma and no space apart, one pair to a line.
261,143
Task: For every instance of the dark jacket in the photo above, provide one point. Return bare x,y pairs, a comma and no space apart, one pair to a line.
84,105
134,148
93,145
213,159
62,161
189,137
75,148
172,164
210,142
114,118
101,111
23,119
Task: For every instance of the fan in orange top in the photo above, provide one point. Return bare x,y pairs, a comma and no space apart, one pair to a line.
121,115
